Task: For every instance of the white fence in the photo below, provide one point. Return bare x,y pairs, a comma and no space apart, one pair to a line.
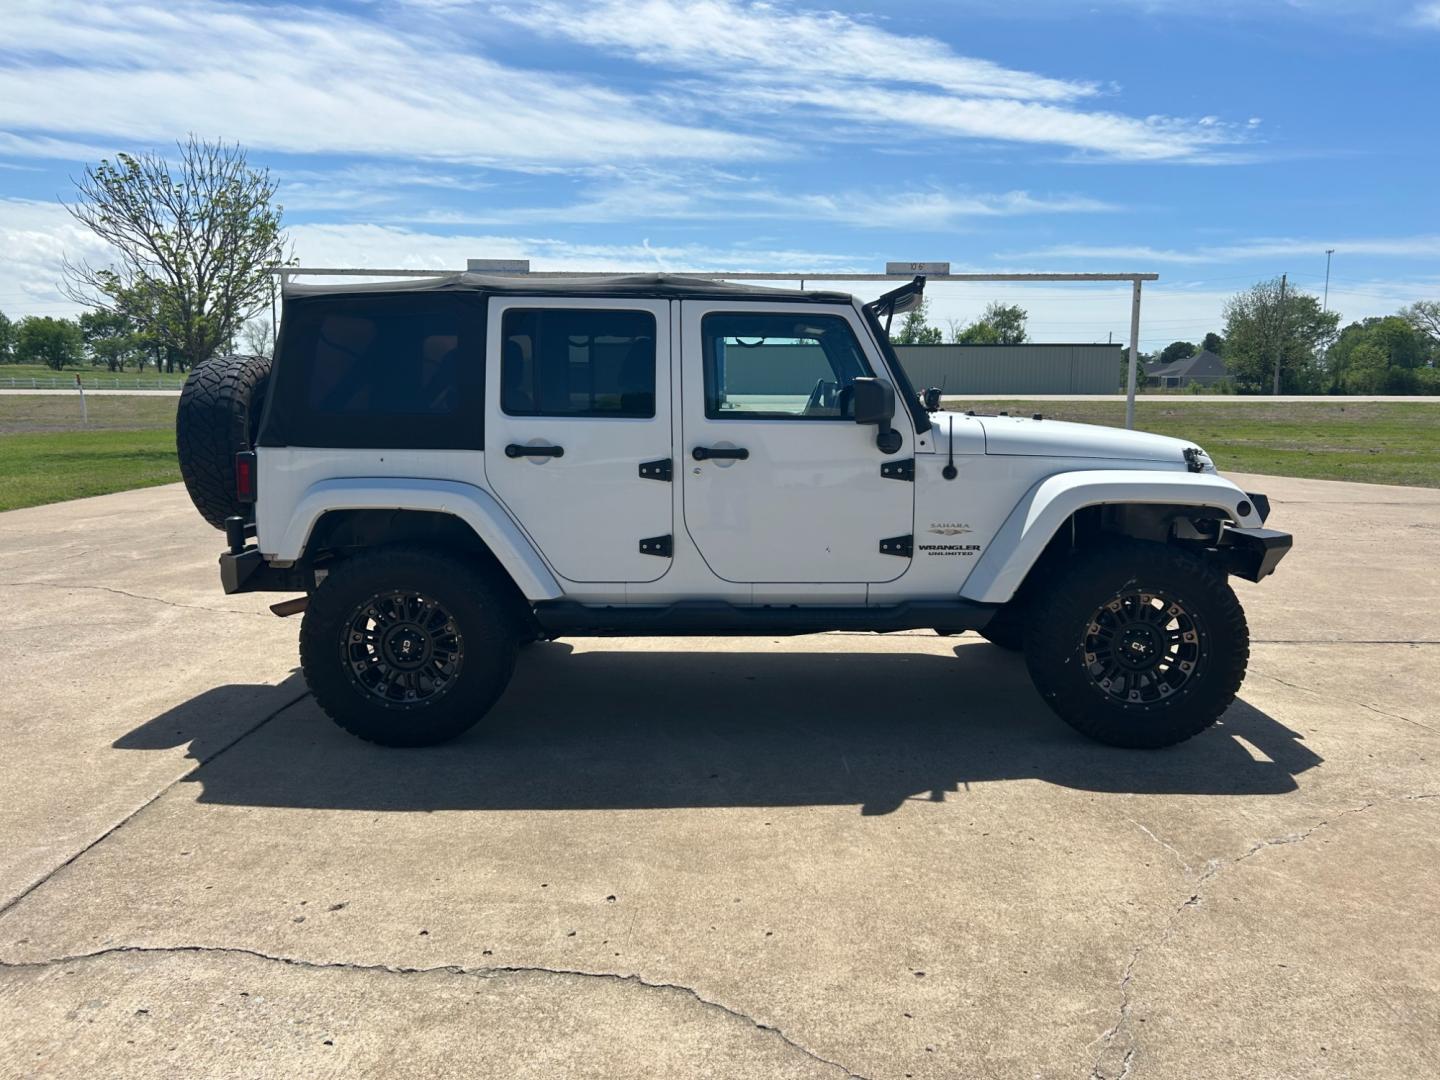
94,382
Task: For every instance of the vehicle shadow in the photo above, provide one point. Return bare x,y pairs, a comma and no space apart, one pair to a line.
627,729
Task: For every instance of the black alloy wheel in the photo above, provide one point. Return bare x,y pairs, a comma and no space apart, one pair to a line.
1141,648
403,648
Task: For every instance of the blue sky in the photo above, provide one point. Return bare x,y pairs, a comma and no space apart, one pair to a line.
1215,143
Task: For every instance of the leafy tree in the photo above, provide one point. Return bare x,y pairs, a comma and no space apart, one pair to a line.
192,243
1258,327
7,339
56,343
1424,315
978,333
1177,350
999,324
916,329
1213,343
1379,356
112,339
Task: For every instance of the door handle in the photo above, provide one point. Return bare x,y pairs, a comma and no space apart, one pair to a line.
515,450
704,453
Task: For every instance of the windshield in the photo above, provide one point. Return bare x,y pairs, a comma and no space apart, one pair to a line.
904,388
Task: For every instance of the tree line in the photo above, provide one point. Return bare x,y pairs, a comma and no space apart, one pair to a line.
1273,330
108,340
1268,327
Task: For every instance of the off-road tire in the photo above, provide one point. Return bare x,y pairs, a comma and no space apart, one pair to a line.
219,416
1209,633
339,667
1007,628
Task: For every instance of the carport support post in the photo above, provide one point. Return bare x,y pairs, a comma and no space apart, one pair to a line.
1134,354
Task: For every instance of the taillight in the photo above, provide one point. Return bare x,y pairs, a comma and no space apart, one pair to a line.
245,476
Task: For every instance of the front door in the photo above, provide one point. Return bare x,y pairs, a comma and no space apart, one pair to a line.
786,487
578,396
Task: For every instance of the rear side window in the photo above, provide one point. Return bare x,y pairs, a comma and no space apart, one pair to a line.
384,363
577,362
404,371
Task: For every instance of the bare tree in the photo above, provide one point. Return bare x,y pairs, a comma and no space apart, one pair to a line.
192,244
1424,315
257,338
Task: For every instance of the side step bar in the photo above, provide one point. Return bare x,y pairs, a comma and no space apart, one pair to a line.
566,618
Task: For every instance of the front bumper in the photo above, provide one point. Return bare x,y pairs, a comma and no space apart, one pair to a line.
1253,554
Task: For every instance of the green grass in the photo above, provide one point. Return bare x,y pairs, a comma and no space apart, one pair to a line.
46,456
54,466
92,377
1373,443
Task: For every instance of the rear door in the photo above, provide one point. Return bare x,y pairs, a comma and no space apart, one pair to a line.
807,501
578,395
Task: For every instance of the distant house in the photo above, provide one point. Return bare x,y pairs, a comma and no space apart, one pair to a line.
1205,368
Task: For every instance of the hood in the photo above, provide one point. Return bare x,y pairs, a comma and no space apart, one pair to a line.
1018,436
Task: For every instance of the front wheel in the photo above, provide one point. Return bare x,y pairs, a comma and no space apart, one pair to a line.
1138,644
407,647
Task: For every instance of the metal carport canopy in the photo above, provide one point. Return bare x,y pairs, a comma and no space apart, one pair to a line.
521,268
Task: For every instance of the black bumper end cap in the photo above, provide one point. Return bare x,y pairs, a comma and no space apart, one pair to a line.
237,568
1254,553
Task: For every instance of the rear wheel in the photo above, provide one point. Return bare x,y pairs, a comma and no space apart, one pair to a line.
407,647
1138,645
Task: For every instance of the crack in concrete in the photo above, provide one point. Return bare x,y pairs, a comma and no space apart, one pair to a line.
487,972
1348,701
1168,847
199,763
133,596
1213,868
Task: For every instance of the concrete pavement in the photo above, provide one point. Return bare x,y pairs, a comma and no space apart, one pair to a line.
818,856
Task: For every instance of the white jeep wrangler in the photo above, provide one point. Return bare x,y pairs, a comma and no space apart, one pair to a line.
452,468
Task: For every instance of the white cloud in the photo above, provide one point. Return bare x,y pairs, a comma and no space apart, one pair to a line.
1400,247
36,236
397,248
763,63
676,199
1426,15
764,41
278,78
1104,134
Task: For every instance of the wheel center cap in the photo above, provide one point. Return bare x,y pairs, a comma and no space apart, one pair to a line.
1138,646
406,646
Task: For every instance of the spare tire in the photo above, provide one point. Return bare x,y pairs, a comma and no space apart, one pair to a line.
219,417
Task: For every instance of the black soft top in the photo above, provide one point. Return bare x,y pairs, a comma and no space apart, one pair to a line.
639,286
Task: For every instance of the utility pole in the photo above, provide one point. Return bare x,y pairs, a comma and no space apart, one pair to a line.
1134,354
1280,345
1325,305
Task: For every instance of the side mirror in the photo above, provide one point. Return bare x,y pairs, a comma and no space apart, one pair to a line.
875,404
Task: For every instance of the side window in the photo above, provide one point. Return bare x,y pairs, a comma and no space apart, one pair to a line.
385,363
402,370
577,362
779,367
